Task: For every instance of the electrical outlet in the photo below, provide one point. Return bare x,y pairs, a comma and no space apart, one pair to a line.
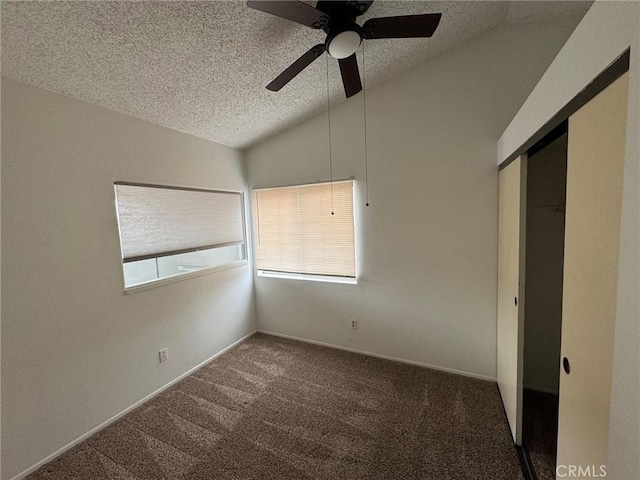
354,323
164,354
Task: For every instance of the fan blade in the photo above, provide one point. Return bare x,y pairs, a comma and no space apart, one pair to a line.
295,11
349,7
407,26
296,67
350,75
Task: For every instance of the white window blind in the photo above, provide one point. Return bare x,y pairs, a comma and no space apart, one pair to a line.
295,231
157,221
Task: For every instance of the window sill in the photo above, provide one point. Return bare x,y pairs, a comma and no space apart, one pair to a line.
182,276
307,277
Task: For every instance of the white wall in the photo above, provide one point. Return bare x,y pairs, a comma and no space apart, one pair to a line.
75,349
605,32
427,245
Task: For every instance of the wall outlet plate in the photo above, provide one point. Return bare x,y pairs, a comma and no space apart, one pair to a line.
163,354
354,323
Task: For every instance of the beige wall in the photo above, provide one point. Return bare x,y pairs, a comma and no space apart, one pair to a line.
546,186
605,32
427,245
75,349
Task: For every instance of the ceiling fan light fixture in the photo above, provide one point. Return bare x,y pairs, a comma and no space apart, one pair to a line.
344,44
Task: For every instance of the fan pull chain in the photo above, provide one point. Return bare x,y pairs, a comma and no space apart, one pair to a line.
364,106
329,121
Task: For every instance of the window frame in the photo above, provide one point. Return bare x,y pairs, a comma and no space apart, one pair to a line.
189,274
277,274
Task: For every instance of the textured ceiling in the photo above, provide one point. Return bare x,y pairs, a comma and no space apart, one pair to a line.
201,67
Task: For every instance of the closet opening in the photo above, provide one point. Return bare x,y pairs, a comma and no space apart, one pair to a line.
545,227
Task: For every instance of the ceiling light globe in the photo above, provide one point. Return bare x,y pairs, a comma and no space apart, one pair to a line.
344,44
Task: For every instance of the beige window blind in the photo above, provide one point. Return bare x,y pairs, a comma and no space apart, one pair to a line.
295,231
156,221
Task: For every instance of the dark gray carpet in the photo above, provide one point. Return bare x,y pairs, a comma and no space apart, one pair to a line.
279,409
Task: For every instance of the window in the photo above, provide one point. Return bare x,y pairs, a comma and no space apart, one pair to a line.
170,231
296,233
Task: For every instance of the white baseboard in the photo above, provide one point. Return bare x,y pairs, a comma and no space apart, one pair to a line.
384,357
117,416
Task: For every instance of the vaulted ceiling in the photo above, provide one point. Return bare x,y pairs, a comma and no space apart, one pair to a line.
201,67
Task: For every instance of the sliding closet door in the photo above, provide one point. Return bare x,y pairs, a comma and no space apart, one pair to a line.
594,201
511,248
